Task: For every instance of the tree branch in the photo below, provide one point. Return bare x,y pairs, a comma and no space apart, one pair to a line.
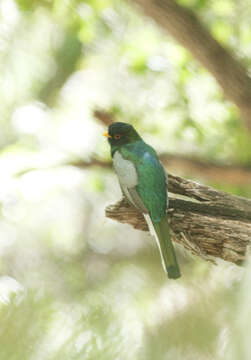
234,174
183,165
103,116
187,29
209,223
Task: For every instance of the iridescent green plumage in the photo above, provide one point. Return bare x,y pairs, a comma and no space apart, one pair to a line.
146,189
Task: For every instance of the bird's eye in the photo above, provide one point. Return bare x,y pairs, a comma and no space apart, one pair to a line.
117,136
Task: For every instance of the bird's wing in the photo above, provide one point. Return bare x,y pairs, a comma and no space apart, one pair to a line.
152,185
151,178
133,196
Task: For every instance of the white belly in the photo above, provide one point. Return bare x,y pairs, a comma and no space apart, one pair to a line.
125,171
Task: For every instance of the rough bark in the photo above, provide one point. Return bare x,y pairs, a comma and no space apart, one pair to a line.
187,29
209,223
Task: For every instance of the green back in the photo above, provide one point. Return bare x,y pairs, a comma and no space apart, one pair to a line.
152,181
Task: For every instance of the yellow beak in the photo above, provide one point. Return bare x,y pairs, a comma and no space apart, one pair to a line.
106,135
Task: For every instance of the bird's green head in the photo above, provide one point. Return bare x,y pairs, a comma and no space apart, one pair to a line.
120,133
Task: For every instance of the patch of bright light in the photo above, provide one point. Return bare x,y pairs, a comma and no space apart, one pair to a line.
35,185
13,209
172,299
64,332
131,333
9,11
9,236
85,11
77,136
82,340
9,287
157,63
29,119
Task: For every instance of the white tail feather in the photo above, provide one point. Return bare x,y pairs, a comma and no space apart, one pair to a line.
153,233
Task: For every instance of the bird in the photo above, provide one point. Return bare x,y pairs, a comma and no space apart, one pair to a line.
142,180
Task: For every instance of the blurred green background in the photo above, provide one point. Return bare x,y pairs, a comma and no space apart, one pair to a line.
73,284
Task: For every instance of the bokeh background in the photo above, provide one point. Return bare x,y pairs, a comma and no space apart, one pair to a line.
74,284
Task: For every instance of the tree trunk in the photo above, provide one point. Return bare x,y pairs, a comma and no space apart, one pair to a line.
186,28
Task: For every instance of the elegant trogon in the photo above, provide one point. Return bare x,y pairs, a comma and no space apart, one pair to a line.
143,182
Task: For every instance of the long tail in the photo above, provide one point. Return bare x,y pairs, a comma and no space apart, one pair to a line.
167,253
